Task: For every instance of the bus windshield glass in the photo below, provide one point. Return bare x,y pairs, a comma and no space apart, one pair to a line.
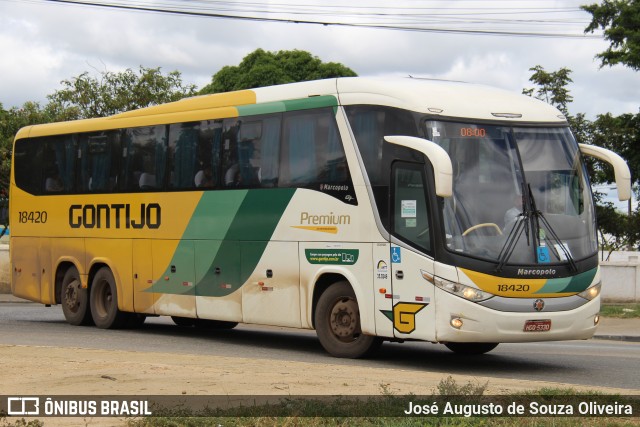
503,176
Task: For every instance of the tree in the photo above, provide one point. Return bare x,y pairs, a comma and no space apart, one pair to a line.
620,134
552,87
86,96
620,20
261,68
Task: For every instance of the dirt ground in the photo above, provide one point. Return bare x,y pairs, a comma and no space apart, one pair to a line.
73,371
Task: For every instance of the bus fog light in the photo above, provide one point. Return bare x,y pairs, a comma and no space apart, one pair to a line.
456,322
596,319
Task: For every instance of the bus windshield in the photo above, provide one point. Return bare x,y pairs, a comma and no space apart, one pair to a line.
505,175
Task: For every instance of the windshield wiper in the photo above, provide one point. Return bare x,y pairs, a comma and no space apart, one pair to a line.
531,217
539,216
521,225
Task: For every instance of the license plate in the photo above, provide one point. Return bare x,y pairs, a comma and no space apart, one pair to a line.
537,325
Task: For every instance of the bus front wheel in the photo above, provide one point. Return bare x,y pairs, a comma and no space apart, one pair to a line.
337,321
74,299
471,348
104,301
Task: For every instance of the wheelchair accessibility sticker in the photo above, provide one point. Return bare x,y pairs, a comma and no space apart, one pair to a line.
396,257
543,255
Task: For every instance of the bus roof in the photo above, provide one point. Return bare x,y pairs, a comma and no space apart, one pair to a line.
435,97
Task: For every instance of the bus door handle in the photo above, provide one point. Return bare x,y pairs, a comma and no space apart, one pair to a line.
399,275
217,270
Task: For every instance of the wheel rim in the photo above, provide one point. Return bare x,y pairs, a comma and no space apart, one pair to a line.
72,296
104,299
344,320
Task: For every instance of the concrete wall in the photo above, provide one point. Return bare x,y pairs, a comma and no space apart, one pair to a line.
620,275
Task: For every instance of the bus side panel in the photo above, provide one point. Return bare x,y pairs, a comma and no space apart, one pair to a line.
116,254
271,300
70,250
353,261
25,268
47,281
218,280
414,308
174,289
142,276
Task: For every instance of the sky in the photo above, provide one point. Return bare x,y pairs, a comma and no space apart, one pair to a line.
44,42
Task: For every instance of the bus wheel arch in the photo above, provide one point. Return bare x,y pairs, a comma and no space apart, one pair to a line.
72,296
337,322
103,299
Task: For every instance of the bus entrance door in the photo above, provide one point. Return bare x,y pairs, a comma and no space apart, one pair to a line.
413,314
413,311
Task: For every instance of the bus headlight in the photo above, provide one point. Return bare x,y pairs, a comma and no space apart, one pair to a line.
463,291
591,292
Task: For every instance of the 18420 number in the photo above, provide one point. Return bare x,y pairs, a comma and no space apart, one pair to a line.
32,217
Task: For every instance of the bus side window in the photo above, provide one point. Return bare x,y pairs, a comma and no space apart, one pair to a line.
28,164
182,147
59,163
97,163
145,158
251,148
312,151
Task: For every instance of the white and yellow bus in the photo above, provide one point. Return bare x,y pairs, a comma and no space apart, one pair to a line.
366,209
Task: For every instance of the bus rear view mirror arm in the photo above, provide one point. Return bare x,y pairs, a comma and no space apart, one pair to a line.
620,168
442,169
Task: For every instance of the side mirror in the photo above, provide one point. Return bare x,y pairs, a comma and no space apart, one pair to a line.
620,168
442,169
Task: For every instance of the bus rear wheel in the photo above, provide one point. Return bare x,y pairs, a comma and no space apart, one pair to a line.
471,348
104,301
74,299
337,321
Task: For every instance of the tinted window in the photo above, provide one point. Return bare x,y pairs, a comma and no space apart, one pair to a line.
312,152
194,154
27,157
145,157
97,163
251,151
59,163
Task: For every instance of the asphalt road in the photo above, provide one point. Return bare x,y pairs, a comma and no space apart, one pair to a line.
590,363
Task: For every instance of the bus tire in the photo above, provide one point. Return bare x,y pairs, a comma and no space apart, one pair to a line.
214,324
74,299
104,301
337,322
183,321
471,348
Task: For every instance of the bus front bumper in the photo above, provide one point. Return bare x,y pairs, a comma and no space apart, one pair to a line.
481,324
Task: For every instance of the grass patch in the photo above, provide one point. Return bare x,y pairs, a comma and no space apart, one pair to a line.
371,411
621,311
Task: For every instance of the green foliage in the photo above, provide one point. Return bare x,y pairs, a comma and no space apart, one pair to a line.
552,87
620,20
86,96
261,68
620,134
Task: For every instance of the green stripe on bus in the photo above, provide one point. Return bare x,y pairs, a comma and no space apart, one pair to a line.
229,232
573,284
291,105
245,242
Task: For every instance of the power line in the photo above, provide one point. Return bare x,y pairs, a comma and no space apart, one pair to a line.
429,23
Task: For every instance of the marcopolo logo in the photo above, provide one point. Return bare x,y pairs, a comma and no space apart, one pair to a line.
116,215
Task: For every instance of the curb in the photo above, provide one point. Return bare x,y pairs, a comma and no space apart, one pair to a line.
628,338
